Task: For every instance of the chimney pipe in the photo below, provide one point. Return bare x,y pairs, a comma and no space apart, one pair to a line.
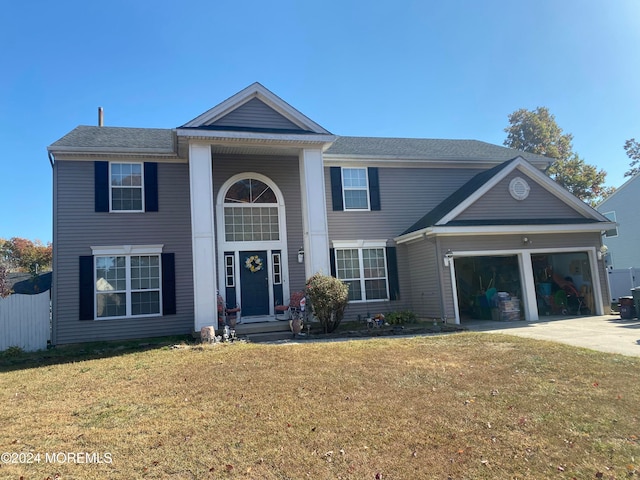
100,117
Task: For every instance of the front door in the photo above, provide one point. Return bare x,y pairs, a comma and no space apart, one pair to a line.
254,283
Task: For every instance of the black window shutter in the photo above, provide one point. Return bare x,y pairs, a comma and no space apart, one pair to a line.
150,187
336,188
101,172
392,272
332,260
168,284
374,188
87,293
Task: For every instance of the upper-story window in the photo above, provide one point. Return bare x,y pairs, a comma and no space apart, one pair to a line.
355,188
126,187
251,212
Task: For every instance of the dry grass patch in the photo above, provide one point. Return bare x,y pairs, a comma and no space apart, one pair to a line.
457,406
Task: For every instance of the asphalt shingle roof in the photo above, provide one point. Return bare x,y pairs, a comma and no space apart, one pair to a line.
118,138
428,149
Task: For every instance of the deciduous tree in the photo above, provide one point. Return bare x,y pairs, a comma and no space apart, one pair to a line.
536,131
22,255
632,147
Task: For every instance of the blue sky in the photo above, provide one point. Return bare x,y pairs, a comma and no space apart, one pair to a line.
398,68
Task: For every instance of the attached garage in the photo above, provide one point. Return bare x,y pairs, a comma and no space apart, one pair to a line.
509,234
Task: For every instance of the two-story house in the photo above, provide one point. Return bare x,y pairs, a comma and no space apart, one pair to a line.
252,197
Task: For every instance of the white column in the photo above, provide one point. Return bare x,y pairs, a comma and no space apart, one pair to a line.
202,231
314,212
529,300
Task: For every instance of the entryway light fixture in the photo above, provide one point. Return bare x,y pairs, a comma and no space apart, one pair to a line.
604,250
448,257
301,255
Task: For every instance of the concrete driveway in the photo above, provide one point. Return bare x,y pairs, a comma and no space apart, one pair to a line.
608,333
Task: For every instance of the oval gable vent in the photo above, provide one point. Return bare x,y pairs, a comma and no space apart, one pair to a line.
519,188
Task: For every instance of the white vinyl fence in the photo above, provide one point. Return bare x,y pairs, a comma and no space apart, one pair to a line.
24,322
622,280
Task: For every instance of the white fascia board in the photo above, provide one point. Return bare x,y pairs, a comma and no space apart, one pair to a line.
111,151
359,243
127,250
552,187
225,135
503,230
256,90
534,174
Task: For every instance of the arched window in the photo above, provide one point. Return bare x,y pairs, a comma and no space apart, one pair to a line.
250,212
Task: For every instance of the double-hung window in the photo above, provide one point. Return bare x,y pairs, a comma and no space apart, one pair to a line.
363,266
128,281
126,187
355,188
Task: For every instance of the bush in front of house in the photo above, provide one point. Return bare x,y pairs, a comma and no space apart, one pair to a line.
328,297
401,317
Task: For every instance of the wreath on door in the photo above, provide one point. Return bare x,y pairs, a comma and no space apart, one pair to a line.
253,263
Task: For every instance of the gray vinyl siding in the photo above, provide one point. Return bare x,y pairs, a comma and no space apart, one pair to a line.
285,173
406,195
256,114
77,227
427,288
498,203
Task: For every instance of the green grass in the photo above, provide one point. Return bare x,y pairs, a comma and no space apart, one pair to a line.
469,406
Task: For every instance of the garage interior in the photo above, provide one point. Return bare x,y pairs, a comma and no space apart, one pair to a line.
490,287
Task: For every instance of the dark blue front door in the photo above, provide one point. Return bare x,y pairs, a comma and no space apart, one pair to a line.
254,283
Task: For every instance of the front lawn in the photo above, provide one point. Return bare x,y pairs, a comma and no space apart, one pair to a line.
459,406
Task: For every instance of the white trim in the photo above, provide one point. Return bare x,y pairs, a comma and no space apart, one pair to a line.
203,240
225,246
141,187
256,90
534,174
365,189
127,250
502,230
359,246
259,138
529,300
359,243
128,291
314,212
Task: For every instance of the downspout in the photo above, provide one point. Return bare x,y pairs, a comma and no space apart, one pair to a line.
50,158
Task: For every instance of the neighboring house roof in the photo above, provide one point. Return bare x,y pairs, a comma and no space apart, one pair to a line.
117,140
428,149
24,284
619,192
446,212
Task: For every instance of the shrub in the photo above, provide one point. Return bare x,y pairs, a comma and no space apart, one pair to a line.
328,297
398,318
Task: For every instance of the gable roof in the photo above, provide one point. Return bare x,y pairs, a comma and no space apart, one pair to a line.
445,213
281,117
428,149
